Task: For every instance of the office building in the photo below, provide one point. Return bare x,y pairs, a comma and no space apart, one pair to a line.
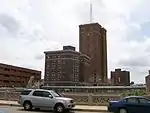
120,78
65,67
93,43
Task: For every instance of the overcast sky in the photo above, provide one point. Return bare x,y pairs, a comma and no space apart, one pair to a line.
30,27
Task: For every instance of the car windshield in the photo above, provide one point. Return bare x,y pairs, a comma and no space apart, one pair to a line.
55,94
122,100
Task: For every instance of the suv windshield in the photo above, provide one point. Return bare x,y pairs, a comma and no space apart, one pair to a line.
55,94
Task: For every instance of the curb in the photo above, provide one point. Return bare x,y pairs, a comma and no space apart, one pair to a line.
87,110
4,104
90,110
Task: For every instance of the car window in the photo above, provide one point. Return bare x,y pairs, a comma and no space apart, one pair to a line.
123,100
55,94
38,93
143,100
132,100
25,92
46,94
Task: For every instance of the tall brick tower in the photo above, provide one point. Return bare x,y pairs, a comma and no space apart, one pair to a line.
92,42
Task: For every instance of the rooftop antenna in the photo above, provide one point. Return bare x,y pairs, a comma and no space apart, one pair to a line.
91,11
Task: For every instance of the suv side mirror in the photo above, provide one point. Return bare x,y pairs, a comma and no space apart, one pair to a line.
50,96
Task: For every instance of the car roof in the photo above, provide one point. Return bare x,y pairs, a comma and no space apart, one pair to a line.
39,90
135,97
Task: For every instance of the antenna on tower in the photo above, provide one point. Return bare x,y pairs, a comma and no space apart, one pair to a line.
91,11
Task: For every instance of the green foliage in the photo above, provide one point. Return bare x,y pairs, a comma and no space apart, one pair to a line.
134,93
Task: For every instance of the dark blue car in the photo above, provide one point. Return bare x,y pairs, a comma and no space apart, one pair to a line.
131,104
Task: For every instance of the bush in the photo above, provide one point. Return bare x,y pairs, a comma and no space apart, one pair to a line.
134,93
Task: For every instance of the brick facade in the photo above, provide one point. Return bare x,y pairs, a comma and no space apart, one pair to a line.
120,78
92,42
16,76
65,67
147,81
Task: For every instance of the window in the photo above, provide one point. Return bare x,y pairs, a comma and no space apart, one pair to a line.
63,62
55,94
6,75
38,93
119,79
143,100
47,57
46,94
123,100
26,92
132,100
6,81
41,93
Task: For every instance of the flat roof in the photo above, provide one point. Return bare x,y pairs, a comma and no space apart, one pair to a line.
90,24
94,23
61,51
18,67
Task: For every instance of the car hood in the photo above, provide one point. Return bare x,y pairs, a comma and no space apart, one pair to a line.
64,98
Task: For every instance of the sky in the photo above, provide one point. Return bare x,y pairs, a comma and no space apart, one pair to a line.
30,27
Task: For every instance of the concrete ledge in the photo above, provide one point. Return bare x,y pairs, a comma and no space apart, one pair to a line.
90,110
7,104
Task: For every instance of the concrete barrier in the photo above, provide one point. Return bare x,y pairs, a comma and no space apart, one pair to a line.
86,99
80,98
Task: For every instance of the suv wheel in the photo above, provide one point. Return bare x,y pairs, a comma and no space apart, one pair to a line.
123,110
59,108
27,106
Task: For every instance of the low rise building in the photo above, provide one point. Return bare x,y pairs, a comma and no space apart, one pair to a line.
120,78
13,76
147,81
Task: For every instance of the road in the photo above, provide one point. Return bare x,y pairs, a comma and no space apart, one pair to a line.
10,109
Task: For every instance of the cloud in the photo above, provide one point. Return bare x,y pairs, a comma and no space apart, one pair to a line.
30,27
39,57
136,58
135,62
9,23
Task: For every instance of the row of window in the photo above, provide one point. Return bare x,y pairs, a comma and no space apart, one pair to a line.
40,93
7,81
16,70
61,78
15,76
136,100
59,70
92,30
61,62
62,56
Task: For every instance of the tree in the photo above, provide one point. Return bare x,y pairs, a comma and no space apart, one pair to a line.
134,93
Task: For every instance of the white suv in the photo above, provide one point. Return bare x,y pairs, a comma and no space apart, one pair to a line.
40,98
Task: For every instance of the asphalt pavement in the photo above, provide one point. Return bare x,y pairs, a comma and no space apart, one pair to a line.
11,109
